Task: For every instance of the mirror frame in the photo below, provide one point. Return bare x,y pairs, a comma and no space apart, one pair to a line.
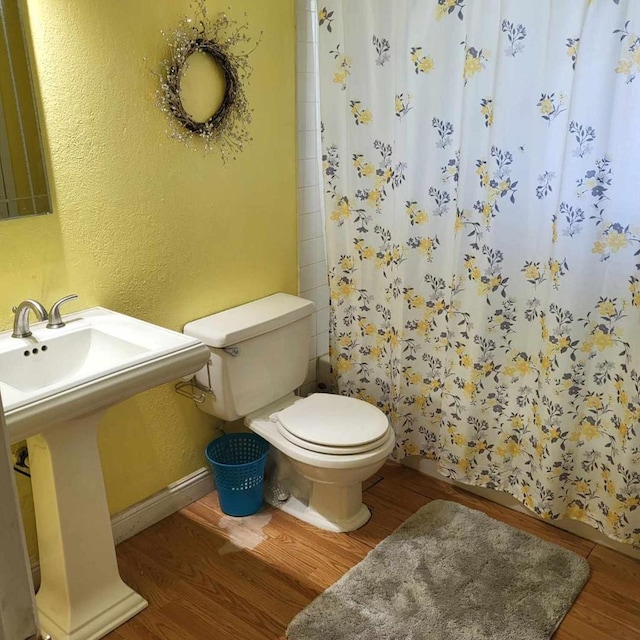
27,50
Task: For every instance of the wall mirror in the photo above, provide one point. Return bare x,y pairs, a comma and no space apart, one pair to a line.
24,190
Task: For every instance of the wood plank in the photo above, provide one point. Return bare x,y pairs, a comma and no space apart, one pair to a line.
390,506
159,625
217,620
339,545
310,554
134,630
367,484
585,623
617,572
297,557
187,552
441,490
613,588
145,574
197,593
230,607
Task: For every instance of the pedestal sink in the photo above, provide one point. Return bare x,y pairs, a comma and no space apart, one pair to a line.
56,386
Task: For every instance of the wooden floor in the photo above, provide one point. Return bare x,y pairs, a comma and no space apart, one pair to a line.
200,587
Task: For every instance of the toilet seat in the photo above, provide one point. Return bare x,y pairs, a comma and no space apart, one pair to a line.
264,422
319,448
331,424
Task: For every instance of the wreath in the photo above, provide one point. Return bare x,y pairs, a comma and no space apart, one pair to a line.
220,39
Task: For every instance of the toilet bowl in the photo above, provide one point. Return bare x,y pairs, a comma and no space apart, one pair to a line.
324,479
323,446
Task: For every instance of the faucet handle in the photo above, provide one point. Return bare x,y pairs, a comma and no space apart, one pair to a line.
55,320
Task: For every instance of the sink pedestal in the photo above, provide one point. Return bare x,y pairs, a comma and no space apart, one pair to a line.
81,596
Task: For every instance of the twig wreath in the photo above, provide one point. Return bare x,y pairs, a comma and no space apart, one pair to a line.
226,42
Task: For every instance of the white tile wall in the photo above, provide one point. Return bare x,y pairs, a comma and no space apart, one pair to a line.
312,265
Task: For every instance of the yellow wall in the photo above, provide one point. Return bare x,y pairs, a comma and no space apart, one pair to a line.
141,224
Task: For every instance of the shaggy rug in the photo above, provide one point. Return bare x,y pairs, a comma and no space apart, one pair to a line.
449,573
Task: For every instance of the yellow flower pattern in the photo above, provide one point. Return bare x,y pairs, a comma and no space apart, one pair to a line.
486,109
474,62
403,104
484,249
425,65
629,64
551,106
325,17
447,7
360,114
572,45
342,68
421,63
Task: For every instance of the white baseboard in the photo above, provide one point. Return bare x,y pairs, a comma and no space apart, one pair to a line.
143,514
428,467
148,512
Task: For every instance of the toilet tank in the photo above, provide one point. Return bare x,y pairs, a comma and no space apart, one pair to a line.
259,353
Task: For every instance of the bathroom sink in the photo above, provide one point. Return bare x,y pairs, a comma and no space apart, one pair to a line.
56,386
99,358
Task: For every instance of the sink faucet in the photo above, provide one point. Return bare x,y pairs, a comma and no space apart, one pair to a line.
21,319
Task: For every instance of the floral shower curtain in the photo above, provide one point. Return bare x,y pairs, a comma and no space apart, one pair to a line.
482,187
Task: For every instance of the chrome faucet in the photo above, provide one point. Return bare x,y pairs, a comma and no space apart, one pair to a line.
21,319
55,320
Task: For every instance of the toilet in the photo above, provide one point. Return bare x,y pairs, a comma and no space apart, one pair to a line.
323,447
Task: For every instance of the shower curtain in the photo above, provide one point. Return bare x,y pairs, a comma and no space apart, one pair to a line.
481,166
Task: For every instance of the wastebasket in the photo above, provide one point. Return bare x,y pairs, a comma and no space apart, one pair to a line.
238,461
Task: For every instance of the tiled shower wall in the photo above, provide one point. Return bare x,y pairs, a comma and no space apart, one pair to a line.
312,266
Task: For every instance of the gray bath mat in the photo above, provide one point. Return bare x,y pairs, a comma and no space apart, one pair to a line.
449,573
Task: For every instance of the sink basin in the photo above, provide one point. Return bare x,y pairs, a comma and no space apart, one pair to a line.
100,357
29,374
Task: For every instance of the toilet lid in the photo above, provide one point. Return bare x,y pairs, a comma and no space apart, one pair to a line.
334,421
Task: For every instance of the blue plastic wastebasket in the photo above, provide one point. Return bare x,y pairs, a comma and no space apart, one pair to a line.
238,461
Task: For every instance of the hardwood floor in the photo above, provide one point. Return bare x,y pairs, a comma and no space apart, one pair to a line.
200,586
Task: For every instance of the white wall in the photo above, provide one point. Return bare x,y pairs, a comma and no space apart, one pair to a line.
312,274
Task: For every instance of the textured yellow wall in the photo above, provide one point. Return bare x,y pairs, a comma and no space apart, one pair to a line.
141,224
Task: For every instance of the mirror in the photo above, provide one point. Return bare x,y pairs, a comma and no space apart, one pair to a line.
24,190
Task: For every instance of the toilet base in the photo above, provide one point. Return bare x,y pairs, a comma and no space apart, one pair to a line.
298,509
325,489
331,506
